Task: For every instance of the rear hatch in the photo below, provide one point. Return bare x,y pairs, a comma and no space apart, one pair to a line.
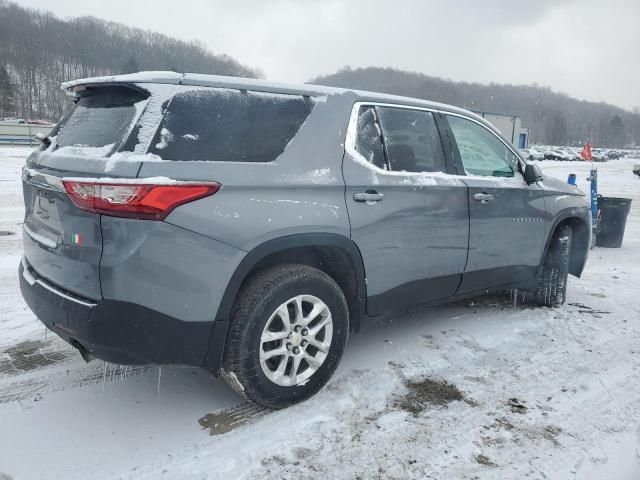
62,243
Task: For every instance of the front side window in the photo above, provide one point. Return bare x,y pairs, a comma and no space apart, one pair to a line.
412,140
369,138
481,151
229,125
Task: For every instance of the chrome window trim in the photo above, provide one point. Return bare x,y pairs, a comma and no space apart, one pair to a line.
350,140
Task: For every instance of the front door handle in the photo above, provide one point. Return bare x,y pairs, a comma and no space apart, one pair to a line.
370,196
483,197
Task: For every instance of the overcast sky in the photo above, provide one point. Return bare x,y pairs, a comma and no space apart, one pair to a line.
589,49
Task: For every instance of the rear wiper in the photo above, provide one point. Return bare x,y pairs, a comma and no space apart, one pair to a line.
43,139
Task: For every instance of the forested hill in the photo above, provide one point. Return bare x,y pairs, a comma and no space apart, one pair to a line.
553,118
39,50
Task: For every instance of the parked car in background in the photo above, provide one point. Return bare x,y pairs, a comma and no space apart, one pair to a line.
636,169
615,154
558,154
532,154
14,121
599,155
40,122
247,228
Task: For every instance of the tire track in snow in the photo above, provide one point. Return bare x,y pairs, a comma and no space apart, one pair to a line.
228,419
67,375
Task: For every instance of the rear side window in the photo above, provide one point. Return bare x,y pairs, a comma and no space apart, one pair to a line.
369,137
100,118
229,125
412,140
481,151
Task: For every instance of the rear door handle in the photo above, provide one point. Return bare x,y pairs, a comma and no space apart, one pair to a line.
483,197
370,196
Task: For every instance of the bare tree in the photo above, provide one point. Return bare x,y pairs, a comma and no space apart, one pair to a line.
41,50
551,117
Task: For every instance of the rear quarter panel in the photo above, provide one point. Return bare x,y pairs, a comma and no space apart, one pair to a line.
301,191
165,268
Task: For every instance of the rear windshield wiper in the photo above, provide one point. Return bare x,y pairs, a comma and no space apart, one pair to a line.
43,139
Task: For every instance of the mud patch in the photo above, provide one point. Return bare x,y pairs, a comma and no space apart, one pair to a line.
30,355
584,309
484,460
427,392
517,406
551,432
224,421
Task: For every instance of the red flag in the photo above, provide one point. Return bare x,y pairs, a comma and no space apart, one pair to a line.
585,154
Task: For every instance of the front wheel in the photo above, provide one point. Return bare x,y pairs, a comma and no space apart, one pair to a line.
288,330
551,290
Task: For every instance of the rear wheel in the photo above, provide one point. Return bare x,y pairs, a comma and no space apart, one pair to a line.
551,290
288,330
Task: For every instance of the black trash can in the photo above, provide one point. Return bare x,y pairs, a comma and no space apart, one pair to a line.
613,219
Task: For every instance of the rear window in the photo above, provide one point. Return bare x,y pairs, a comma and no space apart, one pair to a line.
229,125
100,118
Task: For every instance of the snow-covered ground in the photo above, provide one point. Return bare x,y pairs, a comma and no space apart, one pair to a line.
531,393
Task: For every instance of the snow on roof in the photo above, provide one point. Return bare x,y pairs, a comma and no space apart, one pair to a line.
140,77
196,79
220,81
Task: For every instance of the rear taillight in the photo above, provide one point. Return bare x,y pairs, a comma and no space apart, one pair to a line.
141,198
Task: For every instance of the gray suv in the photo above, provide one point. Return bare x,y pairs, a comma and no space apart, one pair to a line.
248,227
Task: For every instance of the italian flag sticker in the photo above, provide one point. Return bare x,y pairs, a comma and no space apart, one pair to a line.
77,239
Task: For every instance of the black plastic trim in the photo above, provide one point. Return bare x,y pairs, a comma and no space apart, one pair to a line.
456,158
569,214
446,138
120,332
495,277
411,293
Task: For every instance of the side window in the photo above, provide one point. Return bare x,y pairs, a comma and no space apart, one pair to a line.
412,140
368,138
481,151
229,125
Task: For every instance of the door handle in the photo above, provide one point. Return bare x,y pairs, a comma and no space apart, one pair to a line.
483,197
370,196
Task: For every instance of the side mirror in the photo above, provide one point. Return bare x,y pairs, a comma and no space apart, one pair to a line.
532,174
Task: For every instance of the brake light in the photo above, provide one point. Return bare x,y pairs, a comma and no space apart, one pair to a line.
140,199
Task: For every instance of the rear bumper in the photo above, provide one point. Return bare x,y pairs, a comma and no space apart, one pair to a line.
121,332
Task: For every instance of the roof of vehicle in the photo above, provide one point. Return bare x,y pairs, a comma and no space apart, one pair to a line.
196,79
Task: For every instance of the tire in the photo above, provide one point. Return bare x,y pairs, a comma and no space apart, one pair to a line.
551,289
260,312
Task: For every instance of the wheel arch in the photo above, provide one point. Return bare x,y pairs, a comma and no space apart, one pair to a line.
336,255
580,245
